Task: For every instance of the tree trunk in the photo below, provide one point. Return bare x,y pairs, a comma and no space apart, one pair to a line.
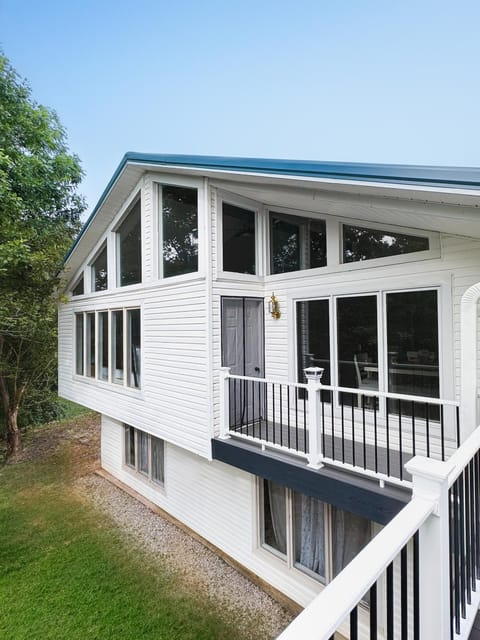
14,437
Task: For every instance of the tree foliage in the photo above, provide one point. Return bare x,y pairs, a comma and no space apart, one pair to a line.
39,216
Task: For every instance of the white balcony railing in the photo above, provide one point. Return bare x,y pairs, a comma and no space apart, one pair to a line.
370,432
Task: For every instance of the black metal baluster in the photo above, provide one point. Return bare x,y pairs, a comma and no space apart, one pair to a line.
281,413
416,589
376,434
354,624
333,424
245,401
442,432
353,430
451,532
472,547
404,592
373,611
288,416
364,434
296,418
427,419
400,449
387,423
305,423
468,567
390,602
456,556
477,514
461,500
343,427
274,417
235,414
458,425
413,428
323,422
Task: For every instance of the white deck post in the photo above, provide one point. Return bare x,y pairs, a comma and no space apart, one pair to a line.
224,403
315,452
430,482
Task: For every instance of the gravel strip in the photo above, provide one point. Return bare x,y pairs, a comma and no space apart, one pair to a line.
258,614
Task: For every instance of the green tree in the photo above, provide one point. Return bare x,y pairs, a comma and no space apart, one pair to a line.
39,216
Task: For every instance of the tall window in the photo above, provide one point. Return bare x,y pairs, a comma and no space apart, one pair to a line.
117,347
99,271
78,289
91,345
129,248
134,347
325,538
239,244
179,230
145,454
103,345
360,243
79,344
296,243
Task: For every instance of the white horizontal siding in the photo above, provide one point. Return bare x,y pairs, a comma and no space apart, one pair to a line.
173,401
215,500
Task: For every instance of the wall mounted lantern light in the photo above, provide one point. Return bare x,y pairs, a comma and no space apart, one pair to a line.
274,307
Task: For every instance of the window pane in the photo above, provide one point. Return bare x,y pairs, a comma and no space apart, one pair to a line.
296,243
134,347
309,533
130,446
157,459
130,247
350,533
142,439
274,516
117,347
91,345
412,337
79,344
364,244
78,289
313,340
103,345
180,231
357,345
99,271
238,239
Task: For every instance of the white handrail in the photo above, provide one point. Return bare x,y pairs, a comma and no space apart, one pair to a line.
355,391
335,602
462,456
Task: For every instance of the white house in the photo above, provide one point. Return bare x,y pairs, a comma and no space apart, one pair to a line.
269,343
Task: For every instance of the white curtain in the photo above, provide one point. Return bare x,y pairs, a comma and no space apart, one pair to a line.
276,495
310,533
350,534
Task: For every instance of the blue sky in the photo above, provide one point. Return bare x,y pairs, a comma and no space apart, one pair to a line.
366,81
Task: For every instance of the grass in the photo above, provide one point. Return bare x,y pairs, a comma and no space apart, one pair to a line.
67,572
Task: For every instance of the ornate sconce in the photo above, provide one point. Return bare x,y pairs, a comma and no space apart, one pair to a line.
274,307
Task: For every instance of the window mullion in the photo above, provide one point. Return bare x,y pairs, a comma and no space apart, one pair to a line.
289,528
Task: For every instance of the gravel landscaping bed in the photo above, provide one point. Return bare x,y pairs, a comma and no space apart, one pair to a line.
260,615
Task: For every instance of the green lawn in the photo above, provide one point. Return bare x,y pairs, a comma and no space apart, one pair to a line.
67,573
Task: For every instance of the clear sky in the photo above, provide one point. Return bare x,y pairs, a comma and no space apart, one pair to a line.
353,80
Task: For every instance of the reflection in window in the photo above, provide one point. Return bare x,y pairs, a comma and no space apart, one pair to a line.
142,442
117,347
130,456
99,271
357,344
350,534
274,517
158,470
239,253
90,345
360,243
412,338
79,360
103,345
313,341
134,347
78,289
179,230
296,243
129,247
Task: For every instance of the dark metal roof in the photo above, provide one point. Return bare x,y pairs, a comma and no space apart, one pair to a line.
395,174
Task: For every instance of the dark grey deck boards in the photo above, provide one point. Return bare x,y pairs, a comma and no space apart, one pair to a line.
475,632
388,462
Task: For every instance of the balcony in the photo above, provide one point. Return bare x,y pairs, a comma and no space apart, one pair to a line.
365,432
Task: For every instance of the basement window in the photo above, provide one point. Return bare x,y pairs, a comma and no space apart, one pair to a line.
145,454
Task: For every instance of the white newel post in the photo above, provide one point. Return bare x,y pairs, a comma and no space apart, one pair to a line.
430,482
315,452
224,403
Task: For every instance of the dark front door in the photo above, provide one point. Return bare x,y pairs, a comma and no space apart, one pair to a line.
243,351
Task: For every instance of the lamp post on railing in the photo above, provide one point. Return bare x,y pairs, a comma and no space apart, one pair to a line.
224,403
315,451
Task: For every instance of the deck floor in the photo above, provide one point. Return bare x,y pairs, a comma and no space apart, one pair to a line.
385,461
475,632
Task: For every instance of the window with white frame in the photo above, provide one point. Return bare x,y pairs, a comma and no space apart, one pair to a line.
296,243
239,239
78,288
129,247
387,341
108,346
179,230
363,243
99,271
145,454
310,535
